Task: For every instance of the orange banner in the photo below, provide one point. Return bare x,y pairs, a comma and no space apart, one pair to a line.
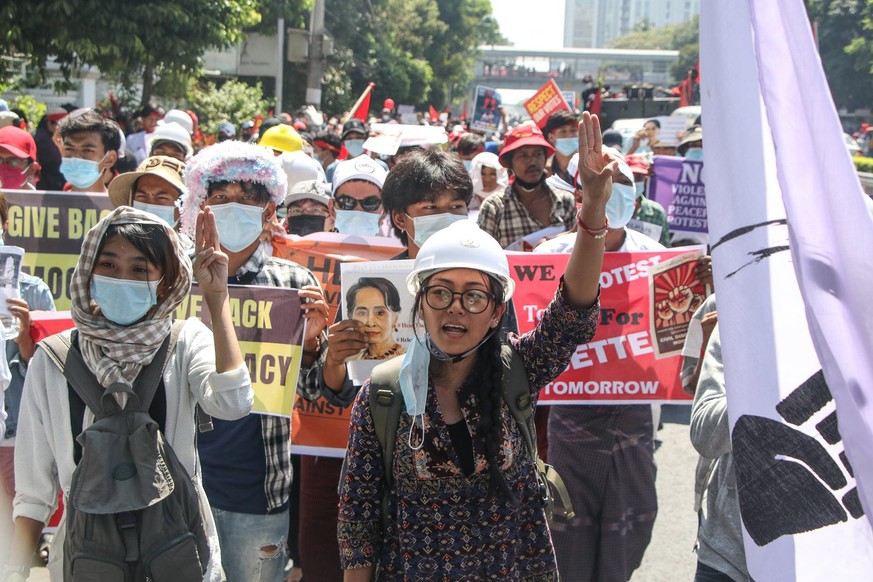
546,101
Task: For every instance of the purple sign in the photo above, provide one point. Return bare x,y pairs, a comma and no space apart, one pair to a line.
677,185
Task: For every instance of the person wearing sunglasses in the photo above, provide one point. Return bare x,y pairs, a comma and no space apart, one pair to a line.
356,205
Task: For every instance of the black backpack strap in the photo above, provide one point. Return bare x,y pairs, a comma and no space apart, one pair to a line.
386,404
149,378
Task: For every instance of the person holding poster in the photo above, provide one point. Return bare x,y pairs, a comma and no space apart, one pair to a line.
463,497
528,204
607,489
247,463
424,193
131,276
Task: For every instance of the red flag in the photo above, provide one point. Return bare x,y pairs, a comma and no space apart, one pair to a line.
434,114
597,104
363,109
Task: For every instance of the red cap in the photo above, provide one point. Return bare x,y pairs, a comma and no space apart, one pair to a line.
520,136
299,125
638,164
18,142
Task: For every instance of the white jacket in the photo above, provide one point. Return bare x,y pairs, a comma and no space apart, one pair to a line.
44,442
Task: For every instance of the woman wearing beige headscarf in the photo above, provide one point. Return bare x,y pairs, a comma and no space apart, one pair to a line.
130,278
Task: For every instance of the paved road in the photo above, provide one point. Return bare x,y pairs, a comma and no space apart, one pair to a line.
669,557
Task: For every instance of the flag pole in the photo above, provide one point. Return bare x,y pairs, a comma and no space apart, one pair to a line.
350,113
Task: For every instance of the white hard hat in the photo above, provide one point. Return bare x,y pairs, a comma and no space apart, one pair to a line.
461,245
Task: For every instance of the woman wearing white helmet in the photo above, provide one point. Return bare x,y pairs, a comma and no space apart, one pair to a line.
462,501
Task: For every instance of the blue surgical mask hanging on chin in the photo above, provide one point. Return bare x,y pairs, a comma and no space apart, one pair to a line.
357,222
413,386
239,225
165,213
425,226
620,207
121,300
81,173
567,146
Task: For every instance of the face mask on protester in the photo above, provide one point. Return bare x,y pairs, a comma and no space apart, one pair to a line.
620,207
640,188
357,222
81,173
567,146
468,164
425,226
121,300
413,386
11,177
303,225
355,147
694,154
165,213
239,225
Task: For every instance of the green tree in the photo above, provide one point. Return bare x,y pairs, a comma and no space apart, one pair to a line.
845,29
234,101
681,37
125,40
416,51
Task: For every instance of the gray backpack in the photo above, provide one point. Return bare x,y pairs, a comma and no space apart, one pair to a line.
133,512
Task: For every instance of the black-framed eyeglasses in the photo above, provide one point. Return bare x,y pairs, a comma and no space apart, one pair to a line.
473,300
369,204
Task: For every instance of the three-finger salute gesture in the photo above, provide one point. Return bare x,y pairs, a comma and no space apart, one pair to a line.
210,263
595,168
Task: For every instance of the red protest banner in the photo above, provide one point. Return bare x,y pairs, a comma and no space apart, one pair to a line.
546,101
619,365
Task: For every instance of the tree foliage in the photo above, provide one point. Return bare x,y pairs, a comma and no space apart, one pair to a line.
415,51
234,101
125,40
845,40
681,37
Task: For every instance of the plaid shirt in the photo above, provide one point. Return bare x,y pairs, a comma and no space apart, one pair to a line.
504,217
266,271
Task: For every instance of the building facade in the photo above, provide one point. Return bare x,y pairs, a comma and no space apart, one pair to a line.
593,23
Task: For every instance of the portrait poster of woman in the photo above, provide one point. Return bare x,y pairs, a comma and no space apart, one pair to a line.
375,294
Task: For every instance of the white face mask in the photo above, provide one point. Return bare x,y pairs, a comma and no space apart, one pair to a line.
239,225
165,213
357,222
425,226
413,386
620,207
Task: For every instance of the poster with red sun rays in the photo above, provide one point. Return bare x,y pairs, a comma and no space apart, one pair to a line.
675,294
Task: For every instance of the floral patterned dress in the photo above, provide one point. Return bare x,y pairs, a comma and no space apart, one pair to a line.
442,524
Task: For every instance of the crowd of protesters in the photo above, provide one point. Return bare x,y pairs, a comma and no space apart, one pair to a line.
463,502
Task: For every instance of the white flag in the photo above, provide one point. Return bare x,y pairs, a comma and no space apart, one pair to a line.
772,135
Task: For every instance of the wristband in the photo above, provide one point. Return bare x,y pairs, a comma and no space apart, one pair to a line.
597,233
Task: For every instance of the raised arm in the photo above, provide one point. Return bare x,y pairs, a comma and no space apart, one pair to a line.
582,277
